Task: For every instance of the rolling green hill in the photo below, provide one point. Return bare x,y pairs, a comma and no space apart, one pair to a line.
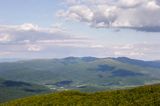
83,73
10,90
140,96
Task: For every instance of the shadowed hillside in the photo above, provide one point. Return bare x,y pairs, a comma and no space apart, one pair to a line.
10,90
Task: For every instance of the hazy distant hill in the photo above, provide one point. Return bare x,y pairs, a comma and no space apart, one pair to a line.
10,90
154,64
141,96
9,60
86,73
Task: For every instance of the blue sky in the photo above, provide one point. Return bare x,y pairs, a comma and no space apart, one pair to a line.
34,11
61,28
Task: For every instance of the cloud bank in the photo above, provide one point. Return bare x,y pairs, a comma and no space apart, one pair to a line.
31,41
28,39
141,15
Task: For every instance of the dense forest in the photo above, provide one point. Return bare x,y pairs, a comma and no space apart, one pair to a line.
141,96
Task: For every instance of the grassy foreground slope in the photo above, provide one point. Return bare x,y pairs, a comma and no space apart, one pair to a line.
140,96
10,90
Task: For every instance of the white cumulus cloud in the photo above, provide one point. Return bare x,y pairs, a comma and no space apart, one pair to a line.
142,15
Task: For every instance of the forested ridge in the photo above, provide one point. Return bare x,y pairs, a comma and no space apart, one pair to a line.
148,95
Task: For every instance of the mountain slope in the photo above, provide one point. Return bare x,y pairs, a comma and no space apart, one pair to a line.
141,96
86,73
10,90
153,64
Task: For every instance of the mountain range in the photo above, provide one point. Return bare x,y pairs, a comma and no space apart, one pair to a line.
88,74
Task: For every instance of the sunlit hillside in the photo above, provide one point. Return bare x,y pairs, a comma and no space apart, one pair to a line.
141,96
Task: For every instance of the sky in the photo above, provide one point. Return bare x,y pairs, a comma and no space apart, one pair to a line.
62,28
